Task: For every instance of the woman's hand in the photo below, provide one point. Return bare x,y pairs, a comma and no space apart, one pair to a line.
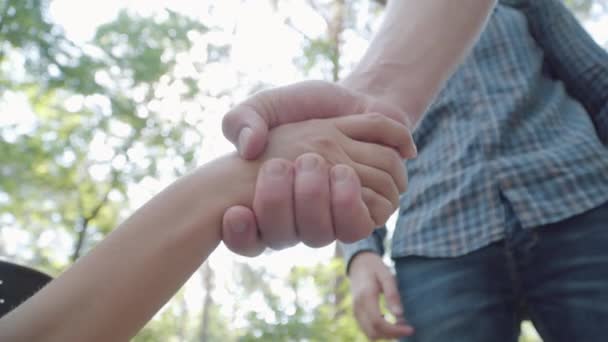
347,176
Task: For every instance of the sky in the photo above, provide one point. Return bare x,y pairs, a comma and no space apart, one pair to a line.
263,49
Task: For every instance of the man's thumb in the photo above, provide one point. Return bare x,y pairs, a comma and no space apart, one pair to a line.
246,129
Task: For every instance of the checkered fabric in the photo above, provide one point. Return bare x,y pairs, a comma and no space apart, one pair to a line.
520,123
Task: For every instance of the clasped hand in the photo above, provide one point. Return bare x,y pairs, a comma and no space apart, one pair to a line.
342,178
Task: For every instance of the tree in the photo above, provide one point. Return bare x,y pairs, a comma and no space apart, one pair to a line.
310,315
124,109
99,123
583,7
166,326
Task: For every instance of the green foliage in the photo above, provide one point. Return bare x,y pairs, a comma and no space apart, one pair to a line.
323,53
144,49
24,25
331,319
580,6
160,329
528,333
315,52
101,95
219,328
101,124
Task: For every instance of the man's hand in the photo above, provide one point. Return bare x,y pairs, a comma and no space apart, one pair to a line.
365,180
369,278
308,214
247,126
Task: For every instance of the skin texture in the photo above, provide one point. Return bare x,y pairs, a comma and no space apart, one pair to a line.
110,293
371,279
301,196
398,76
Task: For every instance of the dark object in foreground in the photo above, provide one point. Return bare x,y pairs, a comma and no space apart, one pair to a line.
18,283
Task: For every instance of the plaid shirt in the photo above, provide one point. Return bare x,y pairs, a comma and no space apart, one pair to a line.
520,124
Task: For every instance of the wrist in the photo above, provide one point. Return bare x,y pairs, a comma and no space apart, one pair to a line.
386,84
231,178
359,260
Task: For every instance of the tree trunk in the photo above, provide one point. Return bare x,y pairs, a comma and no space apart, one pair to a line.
83,221
336,29
207,275
83,225
182,328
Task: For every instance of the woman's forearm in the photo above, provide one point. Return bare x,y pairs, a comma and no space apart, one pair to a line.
418,46
109,294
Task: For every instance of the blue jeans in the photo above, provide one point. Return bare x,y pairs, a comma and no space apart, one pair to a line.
555,275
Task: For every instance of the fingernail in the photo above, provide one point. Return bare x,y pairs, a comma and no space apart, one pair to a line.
244,138
339,173
274,168
239,227
307,163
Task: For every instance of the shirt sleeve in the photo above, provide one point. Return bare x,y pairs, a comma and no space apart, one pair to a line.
373,243
573,57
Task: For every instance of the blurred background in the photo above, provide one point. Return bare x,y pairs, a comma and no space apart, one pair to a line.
104,103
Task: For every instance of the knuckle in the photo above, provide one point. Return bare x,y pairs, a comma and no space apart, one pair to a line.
264,101
349,238
382,215
357,296
360,299
318,242
377,120
278,243
380,210
273,169
387,187
378,181
309,192
355,234
376,323
324,144
376,117
369,295
383,156
244,249
316,234
392,297
388,280
345,203
230,117
230,123
277,162
389,289
358,316
396,164
269,200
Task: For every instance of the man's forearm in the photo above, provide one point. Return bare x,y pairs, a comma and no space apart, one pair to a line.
417,48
